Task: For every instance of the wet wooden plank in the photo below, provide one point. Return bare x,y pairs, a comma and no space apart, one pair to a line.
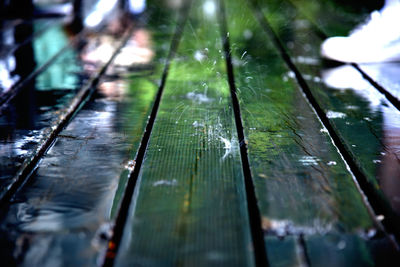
303,186
69,203
26,118
358,113
70,196
350,116
95,63
384,77
333,19
189,207
284,251
334,250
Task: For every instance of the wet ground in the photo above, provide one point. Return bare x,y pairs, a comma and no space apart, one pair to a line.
195,133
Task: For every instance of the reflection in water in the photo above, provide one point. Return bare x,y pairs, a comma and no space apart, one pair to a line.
24,119
137,51
102,9
209,8
284,228
49,43
21,115
175,4
24,56
107,10
376,40
137,6
7,66
54,218
20,62
347,77
389,168
388,174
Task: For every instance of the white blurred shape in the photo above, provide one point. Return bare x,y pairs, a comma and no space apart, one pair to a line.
137,6
376,40
102,8
347,77
209,8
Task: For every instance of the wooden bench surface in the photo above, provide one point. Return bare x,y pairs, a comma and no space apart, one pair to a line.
197,134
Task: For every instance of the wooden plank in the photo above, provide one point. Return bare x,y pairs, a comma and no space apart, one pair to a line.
335,18
24,127
35,109
189,207
95,63
69,203
334,250
96,66
356,115
285,251
303,186
303,39
332,19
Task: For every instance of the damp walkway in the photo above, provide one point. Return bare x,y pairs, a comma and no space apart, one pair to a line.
200,133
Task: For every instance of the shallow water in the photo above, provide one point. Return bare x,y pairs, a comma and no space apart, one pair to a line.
71,194
34,109
62,215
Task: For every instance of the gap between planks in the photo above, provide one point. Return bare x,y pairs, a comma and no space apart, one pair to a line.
252,205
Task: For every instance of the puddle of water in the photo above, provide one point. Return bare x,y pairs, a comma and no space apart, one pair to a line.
24,55
75,184
78,184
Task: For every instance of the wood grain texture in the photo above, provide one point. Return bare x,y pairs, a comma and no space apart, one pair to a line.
303,186
351,122
70,201
189,208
